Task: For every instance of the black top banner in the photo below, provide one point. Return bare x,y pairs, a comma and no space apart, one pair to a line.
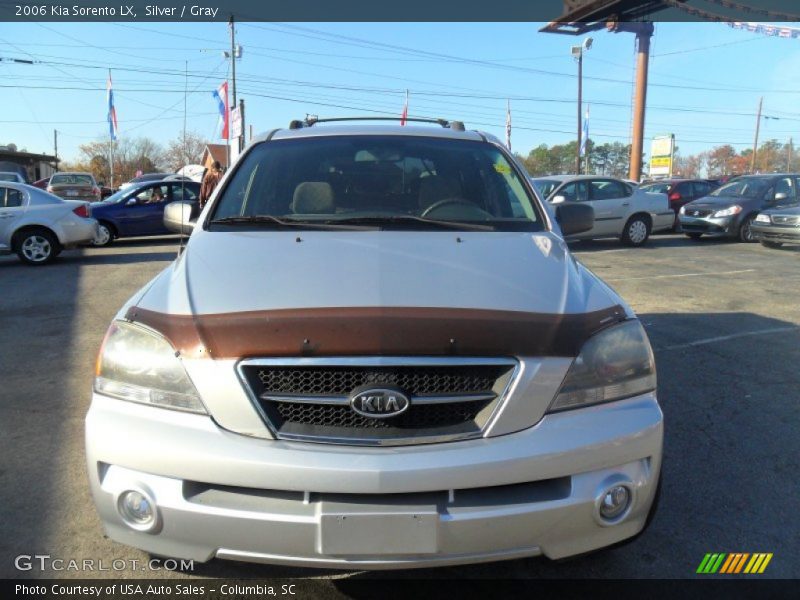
402,11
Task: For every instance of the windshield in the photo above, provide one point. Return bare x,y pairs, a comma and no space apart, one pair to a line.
8,177
748,187
118,195
380,179
545,187
657,188
71,179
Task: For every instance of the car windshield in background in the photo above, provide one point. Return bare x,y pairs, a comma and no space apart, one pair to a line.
657,188
8,177
71,180
545,187
748,187
410,182
117,196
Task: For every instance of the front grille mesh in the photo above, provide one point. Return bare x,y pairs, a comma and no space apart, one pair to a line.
323,420
419,417
340,381
785,220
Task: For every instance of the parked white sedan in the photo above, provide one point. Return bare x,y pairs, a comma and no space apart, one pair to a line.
620,209
37,225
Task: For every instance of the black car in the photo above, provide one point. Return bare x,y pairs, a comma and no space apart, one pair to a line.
680,191
730,210
778,226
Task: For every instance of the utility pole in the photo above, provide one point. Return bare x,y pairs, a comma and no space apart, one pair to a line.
577,53
55,145
644,31
580,101
233,58
755,141
790,149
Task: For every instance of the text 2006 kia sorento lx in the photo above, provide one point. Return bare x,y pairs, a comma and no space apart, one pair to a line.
376,351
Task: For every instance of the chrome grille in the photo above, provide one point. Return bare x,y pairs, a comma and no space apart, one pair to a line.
697,212
309,399
785,220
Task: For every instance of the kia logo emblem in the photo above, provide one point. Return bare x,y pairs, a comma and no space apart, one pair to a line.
379,402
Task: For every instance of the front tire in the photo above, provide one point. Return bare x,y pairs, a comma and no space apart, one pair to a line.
636,231
105,235
773,245
694,236
746,230
37,247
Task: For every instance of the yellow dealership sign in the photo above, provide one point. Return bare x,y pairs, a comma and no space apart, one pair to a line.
661,152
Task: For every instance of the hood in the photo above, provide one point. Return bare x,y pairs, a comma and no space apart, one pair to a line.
795,211
386,292
722,201
223,272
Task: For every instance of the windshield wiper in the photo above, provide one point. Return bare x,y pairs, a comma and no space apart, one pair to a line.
458,225
288,223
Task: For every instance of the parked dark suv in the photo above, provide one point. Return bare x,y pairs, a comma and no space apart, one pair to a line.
730,210
680,191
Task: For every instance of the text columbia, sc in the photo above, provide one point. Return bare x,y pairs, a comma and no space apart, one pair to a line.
151,10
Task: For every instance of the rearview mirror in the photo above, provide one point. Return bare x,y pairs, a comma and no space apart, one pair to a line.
558,199
178,217
574,218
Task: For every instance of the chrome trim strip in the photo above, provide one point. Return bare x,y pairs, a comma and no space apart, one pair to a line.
345,401
369,361
305,399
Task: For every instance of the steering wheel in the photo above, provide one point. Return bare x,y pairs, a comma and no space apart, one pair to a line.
454,202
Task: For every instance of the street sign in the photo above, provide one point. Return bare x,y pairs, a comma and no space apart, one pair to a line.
661,153
236,123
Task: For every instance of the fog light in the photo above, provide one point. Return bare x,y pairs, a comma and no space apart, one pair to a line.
615,502
137,510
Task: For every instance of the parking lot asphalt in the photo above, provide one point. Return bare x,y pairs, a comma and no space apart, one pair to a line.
723,318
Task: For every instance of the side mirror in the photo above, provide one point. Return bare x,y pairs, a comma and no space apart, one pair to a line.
781,196
130,202
574,218
178,217
558,199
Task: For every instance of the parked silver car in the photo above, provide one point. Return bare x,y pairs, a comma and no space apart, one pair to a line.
11,176
620,209
376,351
38,225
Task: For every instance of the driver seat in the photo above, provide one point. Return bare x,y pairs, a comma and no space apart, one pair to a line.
434,188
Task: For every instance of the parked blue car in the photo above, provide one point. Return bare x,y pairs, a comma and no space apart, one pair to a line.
139,211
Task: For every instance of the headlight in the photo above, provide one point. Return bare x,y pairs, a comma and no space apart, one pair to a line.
762,218
614,364
682,210
138,365
727,212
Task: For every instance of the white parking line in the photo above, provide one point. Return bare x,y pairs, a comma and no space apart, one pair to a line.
679,275
725,338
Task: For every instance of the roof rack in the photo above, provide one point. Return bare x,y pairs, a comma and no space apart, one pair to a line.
310,121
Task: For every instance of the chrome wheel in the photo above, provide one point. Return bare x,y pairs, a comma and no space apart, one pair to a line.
36,248
637,232
103,237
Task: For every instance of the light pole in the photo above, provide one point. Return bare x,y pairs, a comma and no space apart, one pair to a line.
577,53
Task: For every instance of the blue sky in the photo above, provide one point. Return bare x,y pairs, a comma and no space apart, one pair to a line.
335,69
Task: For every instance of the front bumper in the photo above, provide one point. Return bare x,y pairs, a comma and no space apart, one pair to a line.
722,226
776,233
226,495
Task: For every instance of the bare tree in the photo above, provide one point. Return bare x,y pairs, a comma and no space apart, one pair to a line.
179,155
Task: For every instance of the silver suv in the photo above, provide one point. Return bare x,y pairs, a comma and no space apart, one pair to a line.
375,352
